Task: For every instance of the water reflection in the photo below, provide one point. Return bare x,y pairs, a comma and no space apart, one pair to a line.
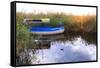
58,49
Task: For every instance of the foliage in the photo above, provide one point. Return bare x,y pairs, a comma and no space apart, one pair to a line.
85,23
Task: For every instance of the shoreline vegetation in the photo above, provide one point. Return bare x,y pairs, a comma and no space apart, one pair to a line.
77,23
74,25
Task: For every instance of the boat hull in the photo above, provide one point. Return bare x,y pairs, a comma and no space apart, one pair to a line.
48,33
47,30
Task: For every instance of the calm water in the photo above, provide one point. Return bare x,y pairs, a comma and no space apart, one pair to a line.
59,49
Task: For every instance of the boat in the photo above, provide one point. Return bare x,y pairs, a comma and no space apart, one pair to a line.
37,21
46,30
43,30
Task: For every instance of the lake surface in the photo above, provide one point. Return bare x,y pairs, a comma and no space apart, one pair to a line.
59,49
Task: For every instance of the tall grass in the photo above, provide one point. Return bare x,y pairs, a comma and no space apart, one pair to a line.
72,23
85,23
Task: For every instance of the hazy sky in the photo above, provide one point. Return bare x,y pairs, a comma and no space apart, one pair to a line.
37,8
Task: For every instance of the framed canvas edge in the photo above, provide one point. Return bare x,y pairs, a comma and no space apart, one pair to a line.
13,32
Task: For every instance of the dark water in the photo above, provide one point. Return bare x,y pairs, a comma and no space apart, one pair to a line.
58,49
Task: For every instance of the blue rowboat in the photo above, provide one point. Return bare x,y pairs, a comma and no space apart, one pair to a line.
45,30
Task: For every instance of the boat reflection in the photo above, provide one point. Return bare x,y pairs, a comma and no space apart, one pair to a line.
60,48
